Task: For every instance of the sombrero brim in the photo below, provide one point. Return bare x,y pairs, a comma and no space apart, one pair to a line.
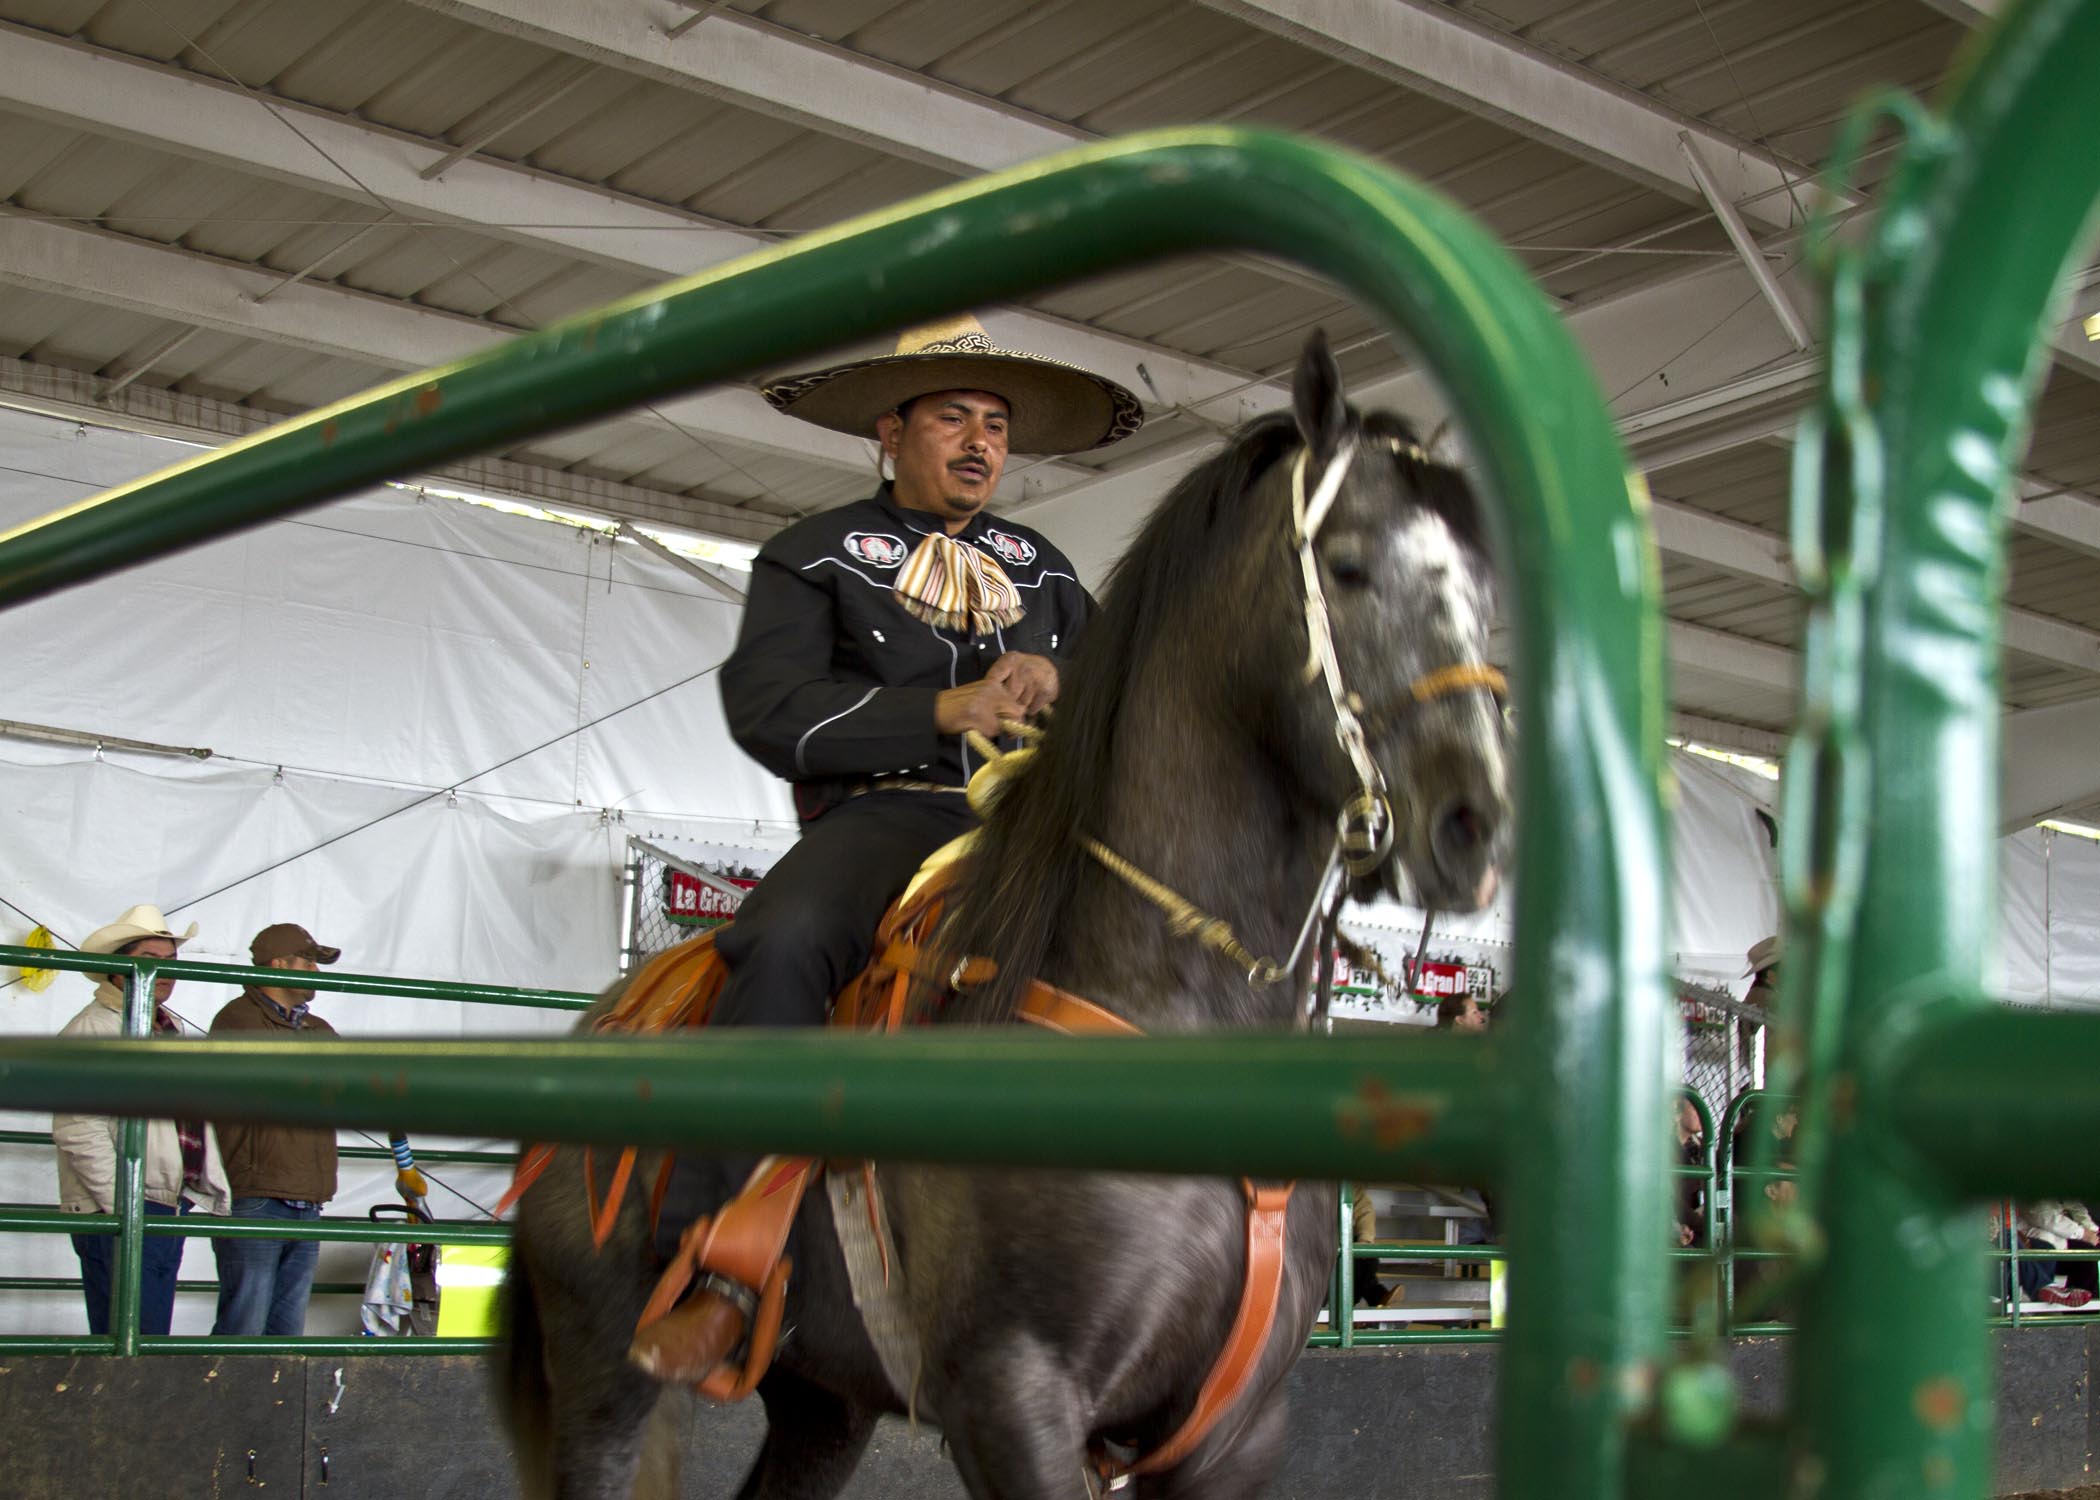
1054,407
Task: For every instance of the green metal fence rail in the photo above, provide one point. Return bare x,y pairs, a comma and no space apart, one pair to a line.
1586,1068
1905,1074
131,1222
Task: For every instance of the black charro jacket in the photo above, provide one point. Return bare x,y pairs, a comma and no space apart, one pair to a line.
832,682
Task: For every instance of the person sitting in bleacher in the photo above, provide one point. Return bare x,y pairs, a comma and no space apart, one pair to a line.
2056,1224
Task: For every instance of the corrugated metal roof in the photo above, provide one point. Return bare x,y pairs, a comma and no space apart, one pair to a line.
414,80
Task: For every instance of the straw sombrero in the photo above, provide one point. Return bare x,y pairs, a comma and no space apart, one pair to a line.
1055,407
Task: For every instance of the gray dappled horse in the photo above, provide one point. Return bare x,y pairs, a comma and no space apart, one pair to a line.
1054,1311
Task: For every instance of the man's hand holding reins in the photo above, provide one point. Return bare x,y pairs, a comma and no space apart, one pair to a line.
1032,679
1016,688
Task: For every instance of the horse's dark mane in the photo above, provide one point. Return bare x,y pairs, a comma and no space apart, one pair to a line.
1013,897
1029,861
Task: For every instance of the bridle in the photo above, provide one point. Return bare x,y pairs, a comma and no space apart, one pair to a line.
1364,828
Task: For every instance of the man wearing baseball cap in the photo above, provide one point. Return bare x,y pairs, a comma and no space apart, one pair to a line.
277,1171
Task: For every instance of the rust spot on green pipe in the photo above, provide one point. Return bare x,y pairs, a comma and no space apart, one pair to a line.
429,399
330,430
1582,1376
1939,1403
1391,1123
834,1101
1844,1100
644,1090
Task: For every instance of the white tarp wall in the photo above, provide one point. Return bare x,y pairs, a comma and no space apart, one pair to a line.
379,651
350,667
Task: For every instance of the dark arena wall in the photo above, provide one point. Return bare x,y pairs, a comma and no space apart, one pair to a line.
1397,1424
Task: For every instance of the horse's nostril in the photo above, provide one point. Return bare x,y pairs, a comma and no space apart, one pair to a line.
1461,829
1462,845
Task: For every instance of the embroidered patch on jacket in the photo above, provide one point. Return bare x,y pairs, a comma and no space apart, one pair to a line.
1011,549
878,549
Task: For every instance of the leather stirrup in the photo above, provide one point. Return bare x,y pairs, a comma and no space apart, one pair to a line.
741,1245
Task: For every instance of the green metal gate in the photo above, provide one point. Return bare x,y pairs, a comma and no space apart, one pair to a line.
1918,1097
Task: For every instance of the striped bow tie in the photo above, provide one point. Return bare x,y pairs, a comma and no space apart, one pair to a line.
954,586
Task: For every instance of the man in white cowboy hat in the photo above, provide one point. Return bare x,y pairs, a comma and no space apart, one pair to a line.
876,636
181,1164
1762,970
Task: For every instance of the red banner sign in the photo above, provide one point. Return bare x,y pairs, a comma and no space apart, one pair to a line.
693,902
1439,980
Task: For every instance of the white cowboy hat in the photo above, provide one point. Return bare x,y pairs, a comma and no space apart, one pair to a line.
1052,407
139,922
1764,953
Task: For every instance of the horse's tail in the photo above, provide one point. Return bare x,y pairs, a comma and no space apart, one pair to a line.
522,1373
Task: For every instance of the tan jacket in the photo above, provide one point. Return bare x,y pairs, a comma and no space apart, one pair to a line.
275,1161
87,1144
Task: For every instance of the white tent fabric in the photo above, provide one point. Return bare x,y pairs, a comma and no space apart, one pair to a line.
432,726
2049,886
1724,887
348,668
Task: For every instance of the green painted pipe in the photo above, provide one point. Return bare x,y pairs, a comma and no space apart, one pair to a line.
127,1266
1586,1075
27,1218
308,1348
1961,277
1271,1106
326,980
347,1153
1972,1089
72,1284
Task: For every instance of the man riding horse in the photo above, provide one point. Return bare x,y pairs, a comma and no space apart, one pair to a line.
876,637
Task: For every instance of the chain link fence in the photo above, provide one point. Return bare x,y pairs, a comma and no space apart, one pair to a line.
1723,1044
676,894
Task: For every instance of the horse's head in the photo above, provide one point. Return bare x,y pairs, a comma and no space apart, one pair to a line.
1397,590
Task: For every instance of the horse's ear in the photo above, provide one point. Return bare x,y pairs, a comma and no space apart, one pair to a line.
1316,396
1445,445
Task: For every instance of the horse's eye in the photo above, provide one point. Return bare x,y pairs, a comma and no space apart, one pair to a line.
1348,562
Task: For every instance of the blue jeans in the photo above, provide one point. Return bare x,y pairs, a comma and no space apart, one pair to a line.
162,1258
264,1284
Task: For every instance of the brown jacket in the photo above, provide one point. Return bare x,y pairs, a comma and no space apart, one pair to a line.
275,1161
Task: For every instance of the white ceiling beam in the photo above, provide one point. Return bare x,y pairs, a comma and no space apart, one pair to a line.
2058,516
2072,344
207,422
1748,552
1716,653
1723,734
2047,765
1969,12
772,70
778,72
164,282
1747,250
1430,49
169,109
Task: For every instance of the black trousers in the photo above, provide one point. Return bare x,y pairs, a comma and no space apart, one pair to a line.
802,933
